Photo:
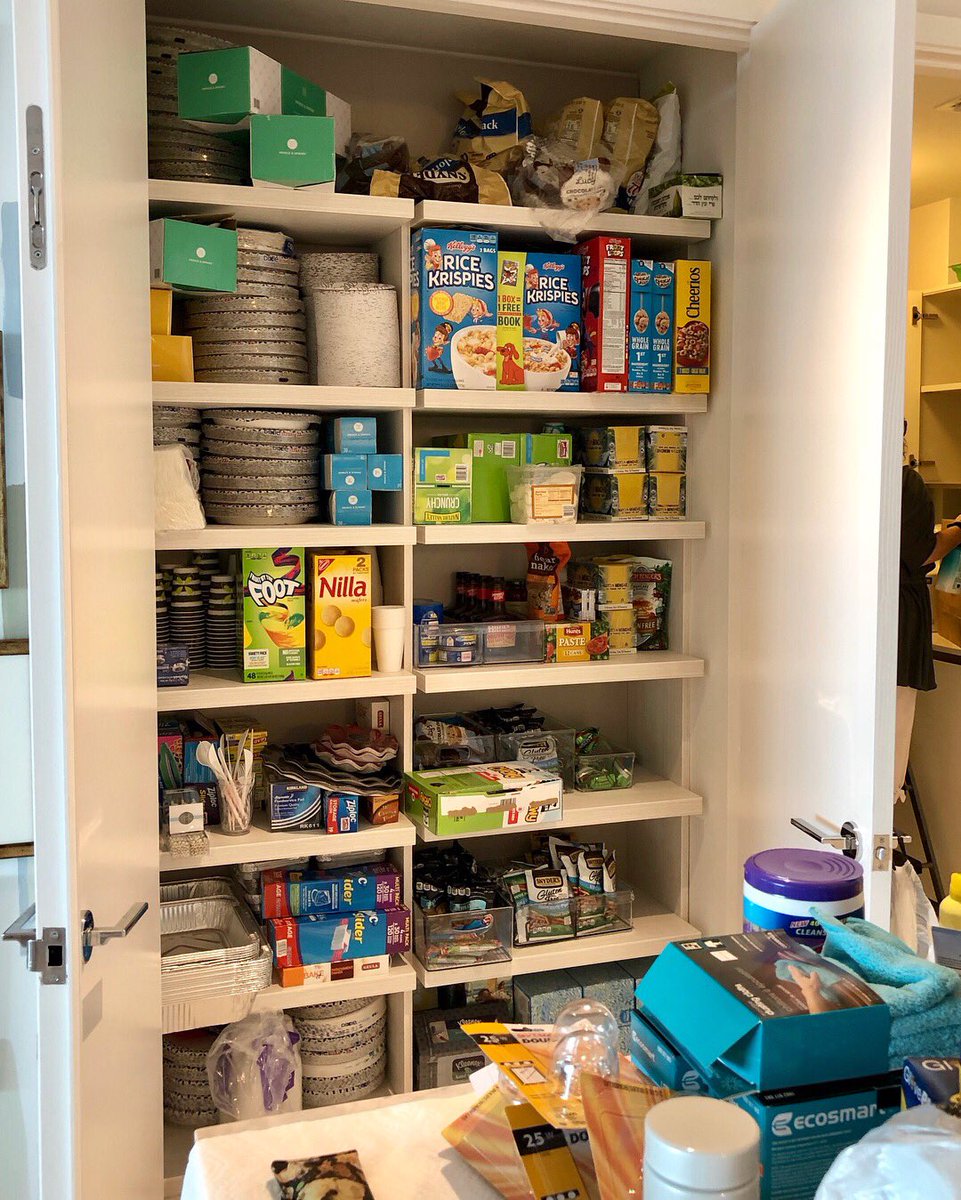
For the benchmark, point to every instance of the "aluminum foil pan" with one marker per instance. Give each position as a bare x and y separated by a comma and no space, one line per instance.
280,466
268,514
290,377
205,887
207,931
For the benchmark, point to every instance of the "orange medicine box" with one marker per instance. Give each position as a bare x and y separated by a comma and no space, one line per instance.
692,327
161,310
340,630
171,359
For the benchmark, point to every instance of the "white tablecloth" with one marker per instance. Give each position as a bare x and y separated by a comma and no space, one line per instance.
398,1139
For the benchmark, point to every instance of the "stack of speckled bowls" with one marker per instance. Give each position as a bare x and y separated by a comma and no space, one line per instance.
258,333
187,1098
343,1050
260,466
175,148
174,423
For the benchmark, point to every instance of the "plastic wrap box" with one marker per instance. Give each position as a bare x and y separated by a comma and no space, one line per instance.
473,938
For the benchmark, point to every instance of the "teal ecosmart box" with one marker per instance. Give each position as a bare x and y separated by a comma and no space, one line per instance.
768,1009
187,256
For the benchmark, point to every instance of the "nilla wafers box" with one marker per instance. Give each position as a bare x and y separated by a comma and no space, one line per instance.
339,638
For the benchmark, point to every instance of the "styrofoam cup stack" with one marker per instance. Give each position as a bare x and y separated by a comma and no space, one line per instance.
321,268
356,335
390,636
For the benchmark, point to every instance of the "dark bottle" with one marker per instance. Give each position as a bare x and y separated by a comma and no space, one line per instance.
460,595
472,599
484,597
517,599
498,607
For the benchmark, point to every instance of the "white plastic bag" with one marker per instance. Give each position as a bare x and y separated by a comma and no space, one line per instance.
665,158
254,1067
912,914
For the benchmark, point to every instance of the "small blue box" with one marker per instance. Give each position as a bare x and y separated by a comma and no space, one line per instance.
428,612
295,806
385,472
340,812
351,507
352,435
173,667
650,331
345,471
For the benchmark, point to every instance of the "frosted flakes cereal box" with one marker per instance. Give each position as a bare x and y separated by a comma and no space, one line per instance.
453,308
340,634
273,614
552,322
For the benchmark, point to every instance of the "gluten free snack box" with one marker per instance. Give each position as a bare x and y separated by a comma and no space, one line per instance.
456,800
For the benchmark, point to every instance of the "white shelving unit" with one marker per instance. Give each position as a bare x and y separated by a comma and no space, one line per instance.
623,668
235,537
275,395
525,221
562,404
222,689
583,531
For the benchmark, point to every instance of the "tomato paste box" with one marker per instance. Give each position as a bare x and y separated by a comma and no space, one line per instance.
453,308
340,635
274,614
552,322
605,289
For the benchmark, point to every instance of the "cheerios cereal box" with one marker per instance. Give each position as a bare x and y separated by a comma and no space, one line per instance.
552,322
340,634
273,614
453,308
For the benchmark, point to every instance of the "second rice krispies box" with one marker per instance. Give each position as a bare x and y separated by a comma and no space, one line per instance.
650,331
552,322
692,327
273,615
340,635
453,308
605,292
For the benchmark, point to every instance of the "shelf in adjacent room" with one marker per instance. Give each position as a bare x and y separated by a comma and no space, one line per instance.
649,934
307,215
622,668
222,689
648,799
260,845
237,537
283,395
933,389
583,531
221,1010
557,404
950,289
515,219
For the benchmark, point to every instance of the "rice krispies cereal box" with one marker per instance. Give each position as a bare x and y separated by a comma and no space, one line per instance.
340,633
453,281
605,292
273,614
552,320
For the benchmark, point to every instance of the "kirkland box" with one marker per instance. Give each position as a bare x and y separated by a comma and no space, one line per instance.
453,282
605,284
552,322
187,256
304,893
331,937
274,614
930,1081
295,806
455,800
293,152
757,987
692,327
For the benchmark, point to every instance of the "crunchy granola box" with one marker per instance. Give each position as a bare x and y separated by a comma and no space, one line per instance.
552,322
453,281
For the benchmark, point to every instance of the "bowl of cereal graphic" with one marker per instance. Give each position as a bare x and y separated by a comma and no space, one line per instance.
473,356
546,365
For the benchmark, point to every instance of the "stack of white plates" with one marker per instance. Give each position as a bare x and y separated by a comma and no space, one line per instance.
260,466
187,1098
343,1050
173,423
258,333
176,149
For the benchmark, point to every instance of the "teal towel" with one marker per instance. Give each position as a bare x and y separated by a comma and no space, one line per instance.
924,998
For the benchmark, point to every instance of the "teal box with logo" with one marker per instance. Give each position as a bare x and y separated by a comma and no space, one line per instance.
187,256
767,995
385,472
650,343
292,152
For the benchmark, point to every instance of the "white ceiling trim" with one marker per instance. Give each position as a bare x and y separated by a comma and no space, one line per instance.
938,45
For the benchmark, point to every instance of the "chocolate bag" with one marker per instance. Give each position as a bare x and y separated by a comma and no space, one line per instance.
443,179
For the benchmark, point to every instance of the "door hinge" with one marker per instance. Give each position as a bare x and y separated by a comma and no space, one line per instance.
36,199
47,953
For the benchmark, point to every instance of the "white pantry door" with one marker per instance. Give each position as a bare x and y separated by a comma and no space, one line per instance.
822,198
88,467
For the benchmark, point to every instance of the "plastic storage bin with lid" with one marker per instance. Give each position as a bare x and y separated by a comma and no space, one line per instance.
782,886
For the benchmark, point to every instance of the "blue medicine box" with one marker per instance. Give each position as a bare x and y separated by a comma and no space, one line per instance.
352,435
352,506
345,471
385,472
761,1025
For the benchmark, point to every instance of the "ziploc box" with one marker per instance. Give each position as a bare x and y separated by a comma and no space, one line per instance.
605,294
292,152
188,256
302,893
930,1081
455,800
759,1014
692,327
552,313
223,88
294,806
340,635
650,327
274,614
340,812
509,370
453,282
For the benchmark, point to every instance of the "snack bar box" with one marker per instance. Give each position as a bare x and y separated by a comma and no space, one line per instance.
305,893
759,989
332,937
456,800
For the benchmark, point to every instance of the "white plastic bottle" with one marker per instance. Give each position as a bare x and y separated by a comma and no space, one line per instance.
696,1148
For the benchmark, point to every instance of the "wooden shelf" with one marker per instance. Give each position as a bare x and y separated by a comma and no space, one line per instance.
648,799
950,289
221,1010
654,664
933,389
222,689
514,219
583,531
281,395
649,934
260,845
236,537
309,216
557,404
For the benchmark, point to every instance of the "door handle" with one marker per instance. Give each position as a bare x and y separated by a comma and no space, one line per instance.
846,839
46,950
99,935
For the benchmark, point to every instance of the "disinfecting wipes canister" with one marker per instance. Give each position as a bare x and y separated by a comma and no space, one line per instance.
781,887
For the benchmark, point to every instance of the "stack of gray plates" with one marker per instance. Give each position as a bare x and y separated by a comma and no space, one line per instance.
258,333
174,423
187,1098
343,1050
260,466
176,149
324,267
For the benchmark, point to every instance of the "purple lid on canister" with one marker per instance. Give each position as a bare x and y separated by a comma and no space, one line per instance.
805,874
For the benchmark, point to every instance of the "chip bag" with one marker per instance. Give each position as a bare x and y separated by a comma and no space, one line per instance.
443,179
544,563
630,129
494,125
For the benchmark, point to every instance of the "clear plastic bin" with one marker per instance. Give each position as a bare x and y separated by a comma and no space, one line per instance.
476,643
611,912
580,916
475,748
606,767
544,495
538,746
443,941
